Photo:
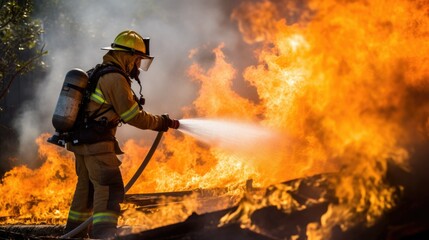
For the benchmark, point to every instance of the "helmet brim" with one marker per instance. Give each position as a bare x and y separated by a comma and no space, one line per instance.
121,49
108,48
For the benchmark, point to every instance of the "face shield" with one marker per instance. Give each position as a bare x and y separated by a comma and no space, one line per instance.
145,63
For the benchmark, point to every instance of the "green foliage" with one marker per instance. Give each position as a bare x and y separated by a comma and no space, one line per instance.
20,37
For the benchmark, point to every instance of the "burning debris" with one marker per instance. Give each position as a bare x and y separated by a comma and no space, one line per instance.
290,210
348,95
226,223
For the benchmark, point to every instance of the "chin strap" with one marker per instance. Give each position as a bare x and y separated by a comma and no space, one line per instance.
141,101
135,72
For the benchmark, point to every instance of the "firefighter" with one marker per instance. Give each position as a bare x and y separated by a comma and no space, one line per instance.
100,188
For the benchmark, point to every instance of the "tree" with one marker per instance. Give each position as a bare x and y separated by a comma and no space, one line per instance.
20,39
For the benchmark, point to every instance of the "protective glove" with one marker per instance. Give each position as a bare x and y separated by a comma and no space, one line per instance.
169,123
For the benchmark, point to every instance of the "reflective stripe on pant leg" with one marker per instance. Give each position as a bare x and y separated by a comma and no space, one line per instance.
79,216
104,225
74,220
105,217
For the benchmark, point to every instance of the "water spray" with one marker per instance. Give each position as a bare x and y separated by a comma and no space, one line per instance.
227,134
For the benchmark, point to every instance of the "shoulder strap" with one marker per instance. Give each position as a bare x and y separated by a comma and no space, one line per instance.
100,70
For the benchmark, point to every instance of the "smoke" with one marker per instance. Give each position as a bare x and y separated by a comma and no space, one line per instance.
76,30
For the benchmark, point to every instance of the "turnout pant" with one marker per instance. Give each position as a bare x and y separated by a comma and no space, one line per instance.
99,191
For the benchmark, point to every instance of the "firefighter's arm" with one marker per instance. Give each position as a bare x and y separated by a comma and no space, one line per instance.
118,92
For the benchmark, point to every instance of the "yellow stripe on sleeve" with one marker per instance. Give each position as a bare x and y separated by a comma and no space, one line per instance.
98,97
130,113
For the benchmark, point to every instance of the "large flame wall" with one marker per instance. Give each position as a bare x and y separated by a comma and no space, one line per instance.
346,80
343,82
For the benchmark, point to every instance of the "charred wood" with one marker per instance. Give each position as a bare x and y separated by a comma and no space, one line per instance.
30,232
203,226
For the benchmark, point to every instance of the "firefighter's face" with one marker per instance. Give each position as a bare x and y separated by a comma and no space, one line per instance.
135,71
138,62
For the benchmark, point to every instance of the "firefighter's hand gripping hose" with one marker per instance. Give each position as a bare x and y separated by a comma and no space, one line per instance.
127,187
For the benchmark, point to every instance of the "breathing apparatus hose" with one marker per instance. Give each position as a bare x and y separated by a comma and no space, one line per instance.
127,187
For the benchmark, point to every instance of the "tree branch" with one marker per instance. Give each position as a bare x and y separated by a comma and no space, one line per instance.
20,70
12,15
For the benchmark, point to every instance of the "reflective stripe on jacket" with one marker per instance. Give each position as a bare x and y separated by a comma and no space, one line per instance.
114,91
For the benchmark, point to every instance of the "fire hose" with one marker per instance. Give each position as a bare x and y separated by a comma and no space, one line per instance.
127,187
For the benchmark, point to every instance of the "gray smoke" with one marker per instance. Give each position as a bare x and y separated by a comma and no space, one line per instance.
78,29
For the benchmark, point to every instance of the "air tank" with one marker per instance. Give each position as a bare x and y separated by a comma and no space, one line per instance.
70,98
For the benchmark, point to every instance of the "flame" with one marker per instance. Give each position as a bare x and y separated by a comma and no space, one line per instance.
169,211
341,84
340,81
40,195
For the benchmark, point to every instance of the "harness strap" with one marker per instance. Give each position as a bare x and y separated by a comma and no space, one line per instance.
77,88
98,72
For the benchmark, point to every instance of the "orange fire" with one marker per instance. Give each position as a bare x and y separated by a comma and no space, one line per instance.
334,78
40,195
339,79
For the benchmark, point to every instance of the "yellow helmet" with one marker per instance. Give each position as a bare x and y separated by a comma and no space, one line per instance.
130,41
